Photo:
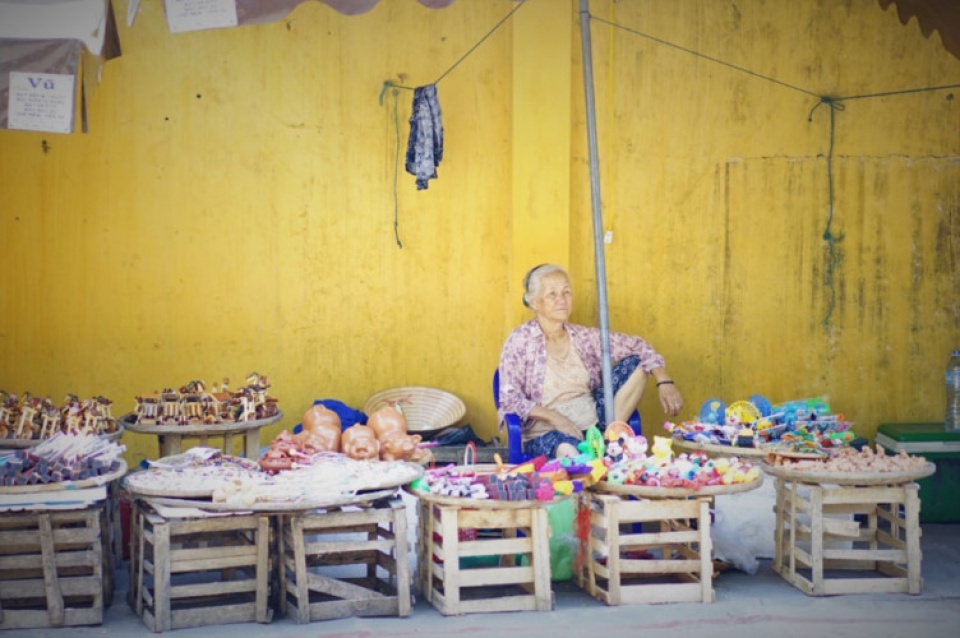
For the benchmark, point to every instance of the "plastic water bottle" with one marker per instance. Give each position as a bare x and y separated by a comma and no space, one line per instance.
952,421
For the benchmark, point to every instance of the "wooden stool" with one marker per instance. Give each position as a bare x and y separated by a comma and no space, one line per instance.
52,571
510,533
624,566
343,539
885,542
182,570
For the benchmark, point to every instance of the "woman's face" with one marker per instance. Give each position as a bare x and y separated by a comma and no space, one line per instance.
554,299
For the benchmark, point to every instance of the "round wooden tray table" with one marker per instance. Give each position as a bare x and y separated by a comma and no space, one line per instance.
195,487
715,449
480,503
647,491
19,444
93,481
171,437
795,475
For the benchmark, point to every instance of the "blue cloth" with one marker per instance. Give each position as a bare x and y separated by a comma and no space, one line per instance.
546,444
425,145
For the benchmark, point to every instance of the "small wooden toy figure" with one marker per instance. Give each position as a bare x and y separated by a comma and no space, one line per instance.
169,405
50,419
26,427
10,411
91,417
106,412
148,409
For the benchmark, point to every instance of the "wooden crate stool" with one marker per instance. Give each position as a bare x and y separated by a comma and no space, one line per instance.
512,551
624,565
52,568
367,545
190,572
883,538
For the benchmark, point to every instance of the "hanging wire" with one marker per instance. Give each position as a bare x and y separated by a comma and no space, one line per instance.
704,56
396,166
834,254
480,41
394,88
925,89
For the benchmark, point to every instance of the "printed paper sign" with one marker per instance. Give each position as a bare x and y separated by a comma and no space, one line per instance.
41,102
194,15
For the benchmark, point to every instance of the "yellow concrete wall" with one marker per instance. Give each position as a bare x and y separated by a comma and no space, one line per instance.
232,207
715,188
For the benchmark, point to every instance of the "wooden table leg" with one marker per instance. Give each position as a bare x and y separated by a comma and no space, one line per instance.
170,444
251,444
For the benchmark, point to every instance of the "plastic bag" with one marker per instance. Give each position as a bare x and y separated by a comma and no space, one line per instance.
563,542
727,545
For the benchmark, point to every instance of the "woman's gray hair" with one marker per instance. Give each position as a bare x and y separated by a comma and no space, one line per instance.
531,283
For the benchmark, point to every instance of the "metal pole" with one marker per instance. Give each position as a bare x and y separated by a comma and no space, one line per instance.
597,213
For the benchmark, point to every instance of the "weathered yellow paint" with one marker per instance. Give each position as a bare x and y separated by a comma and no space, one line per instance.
232,207
719,193
540,215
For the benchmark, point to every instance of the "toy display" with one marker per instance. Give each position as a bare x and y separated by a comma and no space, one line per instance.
193,404
616,457
802,426
662,469
29,417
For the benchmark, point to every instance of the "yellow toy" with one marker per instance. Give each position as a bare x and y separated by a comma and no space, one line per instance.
662,450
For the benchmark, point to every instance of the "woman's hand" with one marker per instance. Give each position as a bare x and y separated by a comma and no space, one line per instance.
565,425
559,422
670,399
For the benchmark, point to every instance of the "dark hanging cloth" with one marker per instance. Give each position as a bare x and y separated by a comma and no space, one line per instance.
425,146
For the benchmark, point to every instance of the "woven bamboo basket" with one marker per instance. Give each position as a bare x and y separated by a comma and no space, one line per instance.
425,409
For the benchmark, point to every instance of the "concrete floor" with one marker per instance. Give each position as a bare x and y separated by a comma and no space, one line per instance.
762,604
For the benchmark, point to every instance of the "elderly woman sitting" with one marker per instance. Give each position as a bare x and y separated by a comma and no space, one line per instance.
550,370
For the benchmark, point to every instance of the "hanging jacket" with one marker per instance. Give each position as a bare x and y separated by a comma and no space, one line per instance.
425,146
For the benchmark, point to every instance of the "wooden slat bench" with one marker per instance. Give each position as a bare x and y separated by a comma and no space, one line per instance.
54,571
343,562
191,572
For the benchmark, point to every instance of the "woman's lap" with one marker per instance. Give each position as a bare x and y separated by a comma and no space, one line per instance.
546,444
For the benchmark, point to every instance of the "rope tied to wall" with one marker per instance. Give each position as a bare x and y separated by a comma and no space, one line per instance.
834,254
425,145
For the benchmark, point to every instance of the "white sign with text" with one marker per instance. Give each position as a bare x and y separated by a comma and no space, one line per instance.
195,15
41,102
